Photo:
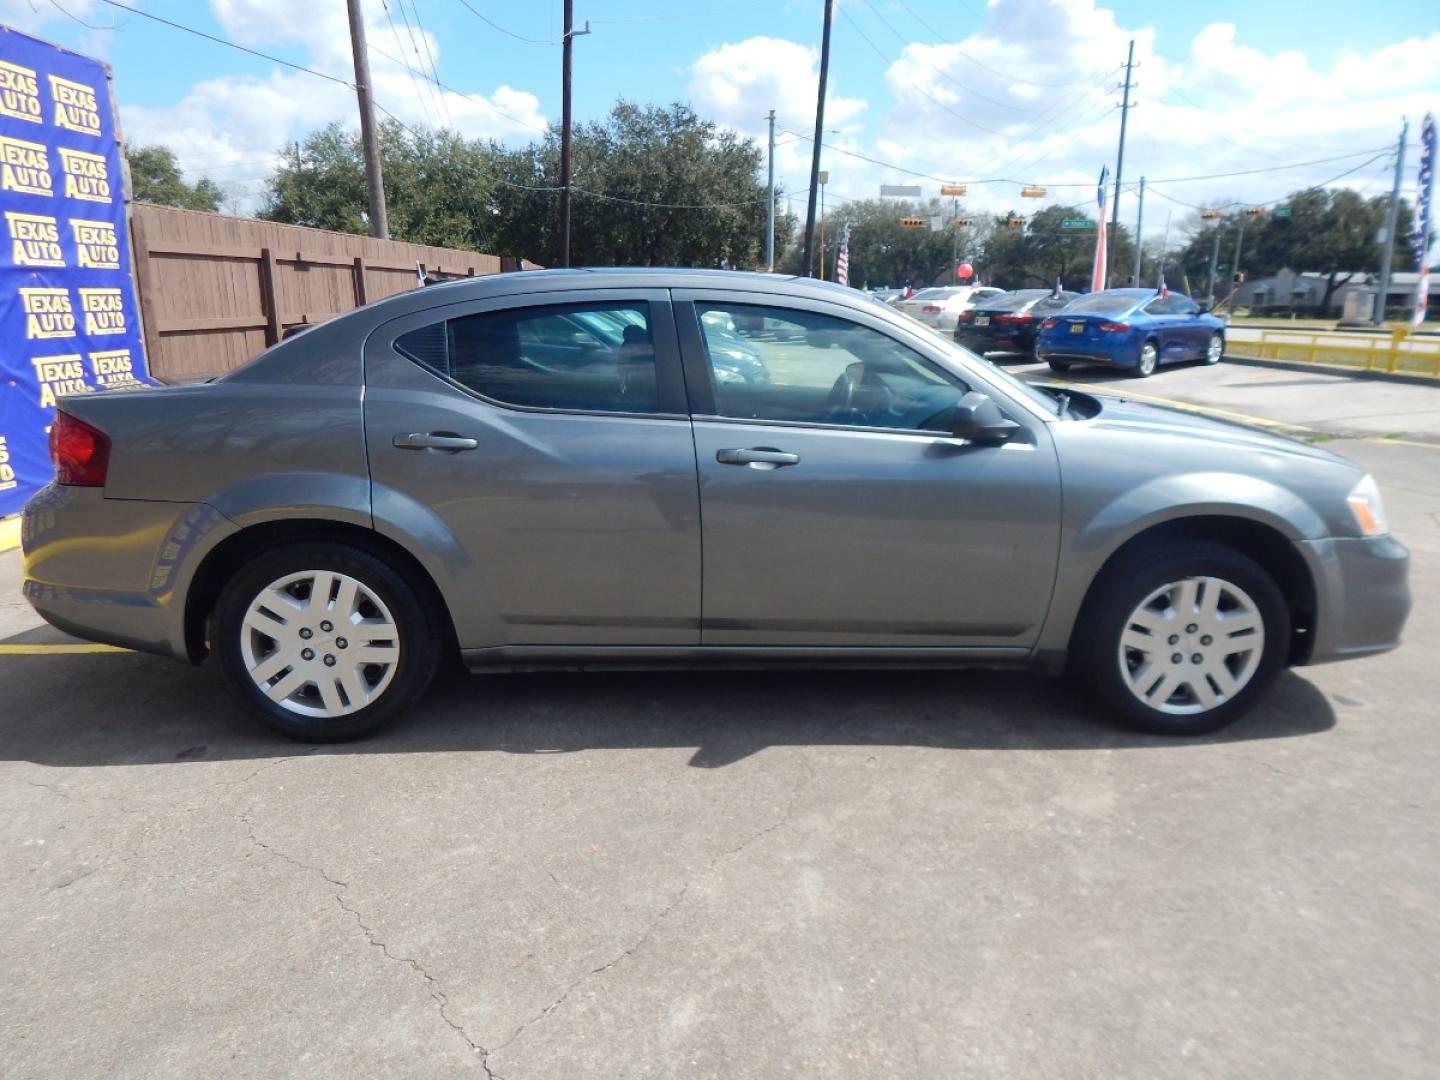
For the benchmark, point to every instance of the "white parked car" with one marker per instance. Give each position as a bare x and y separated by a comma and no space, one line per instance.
940,308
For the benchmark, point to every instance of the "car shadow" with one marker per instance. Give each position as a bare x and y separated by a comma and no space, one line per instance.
100,709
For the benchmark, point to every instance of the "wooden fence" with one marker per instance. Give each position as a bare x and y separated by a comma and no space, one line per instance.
215,290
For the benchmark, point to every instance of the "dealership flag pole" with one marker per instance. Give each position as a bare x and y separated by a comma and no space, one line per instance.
1097,273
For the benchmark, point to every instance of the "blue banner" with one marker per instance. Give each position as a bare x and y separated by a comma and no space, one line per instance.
68,322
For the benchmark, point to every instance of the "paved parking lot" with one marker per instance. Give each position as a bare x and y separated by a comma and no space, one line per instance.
734,874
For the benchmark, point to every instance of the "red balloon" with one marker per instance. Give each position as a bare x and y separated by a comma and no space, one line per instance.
964,271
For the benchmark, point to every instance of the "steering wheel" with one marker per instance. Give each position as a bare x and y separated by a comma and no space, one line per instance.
858,396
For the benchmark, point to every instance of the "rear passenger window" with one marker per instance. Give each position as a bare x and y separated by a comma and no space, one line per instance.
577,357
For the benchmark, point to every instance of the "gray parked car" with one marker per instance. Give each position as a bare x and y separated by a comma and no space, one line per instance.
467,468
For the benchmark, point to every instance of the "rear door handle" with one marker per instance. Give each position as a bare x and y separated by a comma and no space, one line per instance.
435,440
760,457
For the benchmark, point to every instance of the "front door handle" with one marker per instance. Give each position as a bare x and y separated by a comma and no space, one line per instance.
759,457
435,440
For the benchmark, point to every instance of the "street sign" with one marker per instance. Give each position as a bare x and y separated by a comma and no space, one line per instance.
1280,211
1077,223
913,223
952,189
824,176
1032,192
900,191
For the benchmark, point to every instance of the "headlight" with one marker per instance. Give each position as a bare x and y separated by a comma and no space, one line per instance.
1368,508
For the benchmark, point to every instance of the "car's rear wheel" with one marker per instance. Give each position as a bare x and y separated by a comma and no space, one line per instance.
1058,365
325,642
1149,358
1183,642
1214,349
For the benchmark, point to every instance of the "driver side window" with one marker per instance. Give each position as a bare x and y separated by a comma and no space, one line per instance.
771,363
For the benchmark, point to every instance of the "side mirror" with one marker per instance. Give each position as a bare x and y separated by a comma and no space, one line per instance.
1204,308
979,420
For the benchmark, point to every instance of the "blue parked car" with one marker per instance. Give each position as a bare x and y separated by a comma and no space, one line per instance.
1137,329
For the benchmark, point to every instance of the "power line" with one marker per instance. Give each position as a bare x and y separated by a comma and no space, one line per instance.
395,33
945,74
478,99
430,56
678,14
1271,202
414,46
509,33
229,44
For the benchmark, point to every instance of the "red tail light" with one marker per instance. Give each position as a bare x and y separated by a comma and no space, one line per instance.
930,309
1049,324
1013,318
966,316
1114,327
79,452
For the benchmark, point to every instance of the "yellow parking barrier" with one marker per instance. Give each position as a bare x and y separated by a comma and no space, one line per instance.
1395,351
9,533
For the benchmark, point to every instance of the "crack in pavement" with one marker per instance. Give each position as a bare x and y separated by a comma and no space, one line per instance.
437,992
432,985
808,774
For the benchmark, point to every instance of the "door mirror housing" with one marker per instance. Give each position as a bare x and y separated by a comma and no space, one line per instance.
978,419
1202,308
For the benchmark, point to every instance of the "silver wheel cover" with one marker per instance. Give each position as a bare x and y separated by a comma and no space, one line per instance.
1215,349
1149,357
1191,645
320,643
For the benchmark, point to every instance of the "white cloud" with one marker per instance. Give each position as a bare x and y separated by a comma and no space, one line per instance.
231,126
1032,95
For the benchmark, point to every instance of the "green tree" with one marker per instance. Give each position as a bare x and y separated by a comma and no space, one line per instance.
437,185
882,252
155,178
651,186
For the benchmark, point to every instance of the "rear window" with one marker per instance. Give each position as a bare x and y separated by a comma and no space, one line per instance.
1014,301
1103,304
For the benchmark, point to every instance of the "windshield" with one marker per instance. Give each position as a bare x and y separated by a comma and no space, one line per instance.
1014,301
1103,304
1021,389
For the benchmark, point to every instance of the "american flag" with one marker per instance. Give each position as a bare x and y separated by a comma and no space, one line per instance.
842,261
1162,288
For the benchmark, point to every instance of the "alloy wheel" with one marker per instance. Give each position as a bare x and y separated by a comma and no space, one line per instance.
320,643
1148,359
1191,645
1215,349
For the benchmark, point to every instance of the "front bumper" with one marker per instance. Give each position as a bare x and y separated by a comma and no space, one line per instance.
1362,596
115,571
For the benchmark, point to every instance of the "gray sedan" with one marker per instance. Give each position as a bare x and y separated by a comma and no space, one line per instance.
460,471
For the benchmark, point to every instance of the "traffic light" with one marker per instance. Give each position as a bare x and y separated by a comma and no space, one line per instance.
1255,211
1015,222
961,222
1239,276
913,223
1209,215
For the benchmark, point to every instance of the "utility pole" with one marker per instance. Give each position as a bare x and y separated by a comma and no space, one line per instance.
770,203
809,253
954,238
824,179
1139,222
1235,269
1214,265
374,181
1120,163
1388,240
567,44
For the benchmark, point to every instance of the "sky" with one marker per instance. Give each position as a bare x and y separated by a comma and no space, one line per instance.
994,95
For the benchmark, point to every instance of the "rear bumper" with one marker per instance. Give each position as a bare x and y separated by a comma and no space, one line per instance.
1362,596
115,571
1083,356
981,342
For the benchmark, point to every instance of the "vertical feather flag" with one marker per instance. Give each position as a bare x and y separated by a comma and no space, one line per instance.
1421,236
1097,275
842,261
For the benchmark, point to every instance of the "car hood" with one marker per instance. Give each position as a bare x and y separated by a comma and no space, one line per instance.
1119,413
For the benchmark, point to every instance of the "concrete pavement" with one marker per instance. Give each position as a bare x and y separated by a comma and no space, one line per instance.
728,874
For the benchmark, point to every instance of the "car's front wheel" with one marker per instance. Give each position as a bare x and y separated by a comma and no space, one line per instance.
1214,349
325,642
1183,641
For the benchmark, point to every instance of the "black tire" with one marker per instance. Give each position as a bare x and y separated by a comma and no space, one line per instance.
1061,366
418,633
1095,653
